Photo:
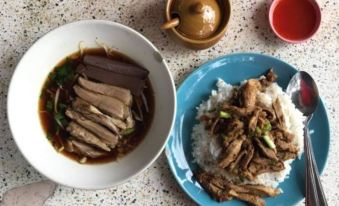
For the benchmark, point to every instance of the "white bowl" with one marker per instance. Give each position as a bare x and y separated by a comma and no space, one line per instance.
26,85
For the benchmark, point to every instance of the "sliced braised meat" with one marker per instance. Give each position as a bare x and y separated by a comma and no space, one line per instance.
286,146
282,134
213,185
270,153
236,99
95,115
84,135
134,84
214,126
69,146
258,190
251,199
238,111
278,112
277,134
260,165
261,121
286,155
104,135
247,175
234,165
107,104
261,190
249,93
222,189
248,157
266,112
86,150
270,77
235,126
130,123
227,140
122,94
231,153
234,129
252,123
116,66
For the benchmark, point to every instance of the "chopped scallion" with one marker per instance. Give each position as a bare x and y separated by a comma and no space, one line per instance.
267,127
127,131
257,130
49,106
224,115
269,142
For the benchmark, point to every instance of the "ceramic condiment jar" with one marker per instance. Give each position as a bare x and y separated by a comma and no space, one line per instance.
198,24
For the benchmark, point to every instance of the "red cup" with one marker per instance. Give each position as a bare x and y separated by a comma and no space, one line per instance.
294,26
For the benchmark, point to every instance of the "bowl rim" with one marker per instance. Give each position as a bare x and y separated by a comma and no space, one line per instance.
213,38
317,9
168,131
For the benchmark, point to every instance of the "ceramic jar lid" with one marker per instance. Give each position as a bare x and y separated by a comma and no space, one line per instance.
196,19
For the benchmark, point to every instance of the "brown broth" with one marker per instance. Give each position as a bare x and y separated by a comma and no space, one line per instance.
57,136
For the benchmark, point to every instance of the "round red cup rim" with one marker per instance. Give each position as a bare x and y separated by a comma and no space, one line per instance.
294,41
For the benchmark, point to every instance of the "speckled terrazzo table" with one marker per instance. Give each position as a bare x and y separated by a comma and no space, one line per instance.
24,21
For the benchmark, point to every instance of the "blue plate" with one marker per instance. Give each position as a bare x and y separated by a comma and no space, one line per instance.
197,87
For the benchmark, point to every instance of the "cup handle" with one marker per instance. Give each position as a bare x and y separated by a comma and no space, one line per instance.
170,24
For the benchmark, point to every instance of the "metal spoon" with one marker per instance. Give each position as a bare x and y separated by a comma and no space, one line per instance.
304,94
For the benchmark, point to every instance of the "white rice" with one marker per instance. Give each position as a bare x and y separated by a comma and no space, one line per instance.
206,150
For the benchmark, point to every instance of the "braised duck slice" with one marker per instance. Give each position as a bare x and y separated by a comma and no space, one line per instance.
235,129
248,157
95,115
109,105
86,150
231,153
270,77
238,111
285,155
116,66
134,84
252,123
260,190
104,135
68,145
249,93
266,112
235,165
279,113
268,152
286,146
280,133
214,186
257,190
84,135
260,165
122,94
222,189
250,199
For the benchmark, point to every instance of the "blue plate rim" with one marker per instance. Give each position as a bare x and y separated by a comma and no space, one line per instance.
180,85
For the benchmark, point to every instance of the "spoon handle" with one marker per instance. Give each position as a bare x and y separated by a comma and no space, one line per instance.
314,192
170,24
